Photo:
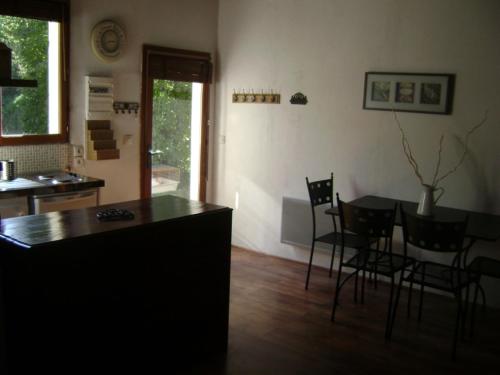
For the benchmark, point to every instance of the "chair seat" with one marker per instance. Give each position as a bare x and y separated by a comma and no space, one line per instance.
485,266
379,262
351,240
439,276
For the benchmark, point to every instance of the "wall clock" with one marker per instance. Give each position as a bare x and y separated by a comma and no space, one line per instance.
108,41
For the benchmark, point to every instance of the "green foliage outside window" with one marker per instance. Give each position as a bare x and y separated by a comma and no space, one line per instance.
25,110
172,128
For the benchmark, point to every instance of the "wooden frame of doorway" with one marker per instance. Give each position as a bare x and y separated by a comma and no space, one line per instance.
181,65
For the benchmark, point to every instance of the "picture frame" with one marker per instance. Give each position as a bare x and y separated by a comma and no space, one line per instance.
409,92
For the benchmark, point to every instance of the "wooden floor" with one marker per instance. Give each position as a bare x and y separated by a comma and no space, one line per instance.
276,327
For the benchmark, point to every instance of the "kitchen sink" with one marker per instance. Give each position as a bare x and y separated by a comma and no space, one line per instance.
59,178
19,183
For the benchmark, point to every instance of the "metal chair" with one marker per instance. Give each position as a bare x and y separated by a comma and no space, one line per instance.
369,224
439,237
321,194
481,266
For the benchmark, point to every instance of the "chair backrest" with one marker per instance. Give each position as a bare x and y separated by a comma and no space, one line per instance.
320,192
429,234
367,222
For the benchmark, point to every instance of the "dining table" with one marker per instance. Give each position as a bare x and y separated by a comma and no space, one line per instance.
481,226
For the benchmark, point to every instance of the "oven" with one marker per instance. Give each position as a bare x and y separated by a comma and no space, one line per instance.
38,204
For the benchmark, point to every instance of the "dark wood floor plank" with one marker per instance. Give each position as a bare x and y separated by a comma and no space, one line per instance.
276,327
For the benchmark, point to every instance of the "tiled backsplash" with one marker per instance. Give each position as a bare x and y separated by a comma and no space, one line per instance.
35,158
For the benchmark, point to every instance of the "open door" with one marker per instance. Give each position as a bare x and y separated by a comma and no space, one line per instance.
174,150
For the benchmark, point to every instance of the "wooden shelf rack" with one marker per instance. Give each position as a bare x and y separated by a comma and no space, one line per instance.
100,142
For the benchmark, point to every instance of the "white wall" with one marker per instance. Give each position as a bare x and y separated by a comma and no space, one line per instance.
188,24
322,48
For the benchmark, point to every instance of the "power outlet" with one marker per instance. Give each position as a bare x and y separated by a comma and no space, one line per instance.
78,151
77,162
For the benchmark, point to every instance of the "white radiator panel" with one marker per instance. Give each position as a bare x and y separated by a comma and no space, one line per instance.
296,223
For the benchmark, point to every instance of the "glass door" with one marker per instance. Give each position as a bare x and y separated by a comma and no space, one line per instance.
176,138
174,122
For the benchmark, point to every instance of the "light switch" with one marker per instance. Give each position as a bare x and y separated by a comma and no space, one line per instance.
127,140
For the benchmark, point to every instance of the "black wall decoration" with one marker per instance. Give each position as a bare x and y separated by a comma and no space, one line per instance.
298,98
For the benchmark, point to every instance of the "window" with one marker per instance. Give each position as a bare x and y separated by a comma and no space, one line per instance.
37,32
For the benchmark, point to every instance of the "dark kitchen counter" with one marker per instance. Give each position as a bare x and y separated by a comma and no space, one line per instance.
37,231
147,295
50,182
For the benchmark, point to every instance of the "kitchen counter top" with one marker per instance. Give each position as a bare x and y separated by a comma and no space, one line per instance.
49,228
49,182
146,295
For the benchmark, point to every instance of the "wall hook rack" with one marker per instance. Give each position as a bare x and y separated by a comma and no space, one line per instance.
262,97
126,107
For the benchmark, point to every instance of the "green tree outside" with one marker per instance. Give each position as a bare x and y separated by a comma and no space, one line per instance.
25,110
172,128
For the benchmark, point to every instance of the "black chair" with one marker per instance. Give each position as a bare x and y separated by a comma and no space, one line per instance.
482,266
321,194
369,224
439,237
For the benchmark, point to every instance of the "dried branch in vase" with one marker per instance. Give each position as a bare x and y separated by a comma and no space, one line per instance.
437,178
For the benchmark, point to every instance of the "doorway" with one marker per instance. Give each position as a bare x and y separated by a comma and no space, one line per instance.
174,122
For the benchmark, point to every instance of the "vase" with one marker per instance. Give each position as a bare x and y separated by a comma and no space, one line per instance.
427,201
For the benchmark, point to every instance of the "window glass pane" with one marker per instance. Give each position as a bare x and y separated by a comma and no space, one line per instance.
35,49
176,138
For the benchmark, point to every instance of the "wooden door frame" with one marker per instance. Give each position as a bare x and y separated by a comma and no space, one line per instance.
147,120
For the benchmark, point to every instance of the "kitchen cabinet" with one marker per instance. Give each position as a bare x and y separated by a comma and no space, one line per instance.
13,207
52,191
39,204
142,295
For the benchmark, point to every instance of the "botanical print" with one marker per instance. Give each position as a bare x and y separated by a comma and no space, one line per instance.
409,92
405,92
380,91
430,93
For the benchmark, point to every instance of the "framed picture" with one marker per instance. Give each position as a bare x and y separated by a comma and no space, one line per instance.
409,92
